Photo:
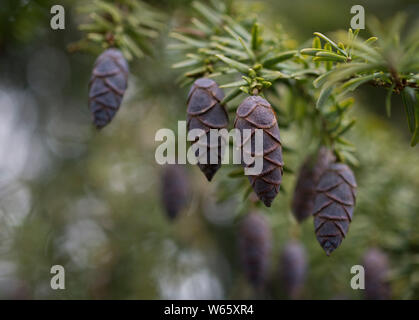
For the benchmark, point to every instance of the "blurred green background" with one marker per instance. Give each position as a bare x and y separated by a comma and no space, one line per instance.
90,200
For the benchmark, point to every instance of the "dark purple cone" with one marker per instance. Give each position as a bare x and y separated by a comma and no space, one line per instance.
107,86
206,112
305,188
334,205
255,248
174,189
256,113
376,267
293,269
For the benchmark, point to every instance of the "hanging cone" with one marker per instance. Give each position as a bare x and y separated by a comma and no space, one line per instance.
256,113
205,112
255,248
334,205
107,86
305,188
174,189
376,267
293,269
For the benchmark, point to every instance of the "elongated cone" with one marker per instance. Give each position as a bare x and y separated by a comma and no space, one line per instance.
107,86
293,269
334,205
376,267
305,188
255,248
256,113
206,112
174,189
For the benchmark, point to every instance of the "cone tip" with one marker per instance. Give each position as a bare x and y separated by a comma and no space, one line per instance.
328,247
267,202
209,175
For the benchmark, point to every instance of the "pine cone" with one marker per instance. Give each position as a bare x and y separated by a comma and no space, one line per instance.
255,248
293,268
107,86
305,188
206,112
256,113
376,267
174,189
333,205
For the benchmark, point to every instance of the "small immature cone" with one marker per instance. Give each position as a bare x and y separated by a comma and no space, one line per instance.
293,269
334,205
305,188
206,112
255,248
376,267
256,113
174,189
107,86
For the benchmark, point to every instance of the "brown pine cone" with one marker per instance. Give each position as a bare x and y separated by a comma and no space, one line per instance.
255,248
333,205
107,86
206,112
174,189
376,267
256,113
305,188
293,269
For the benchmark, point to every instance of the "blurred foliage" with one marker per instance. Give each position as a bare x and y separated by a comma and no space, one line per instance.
127,25
21,20
393,64
90,201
